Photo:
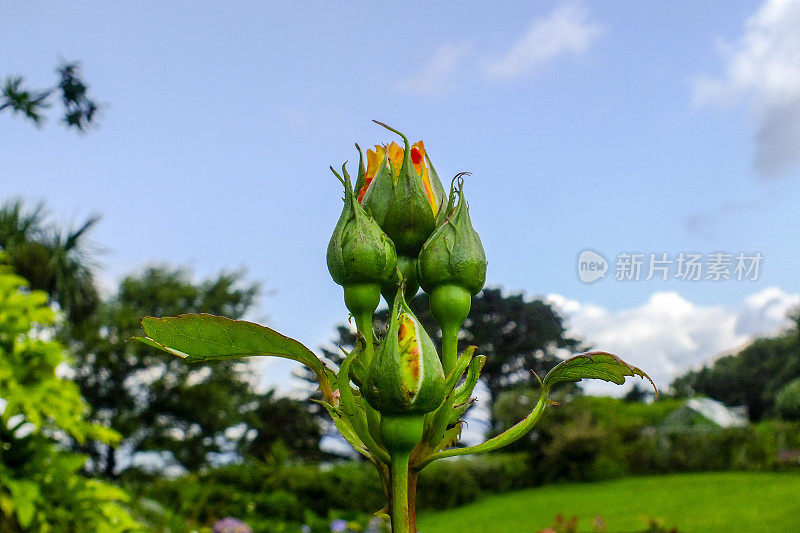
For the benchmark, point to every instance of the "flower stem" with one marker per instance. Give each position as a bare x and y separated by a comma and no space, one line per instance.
361,299
364,325
449,346
400,507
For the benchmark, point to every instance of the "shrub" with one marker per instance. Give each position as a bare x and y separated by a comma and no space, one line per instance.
787,401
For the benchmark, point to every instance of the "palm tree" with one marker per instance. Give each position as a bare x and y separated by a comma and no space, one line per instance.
56,261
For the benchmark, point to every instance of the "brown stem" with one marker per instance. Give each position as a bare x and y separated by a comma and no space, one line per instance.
412,499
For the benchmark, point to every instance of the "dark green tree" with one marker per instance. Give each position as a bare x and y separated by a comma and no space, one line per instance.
518,336
157,402
59,262
753,377
284,420
79,111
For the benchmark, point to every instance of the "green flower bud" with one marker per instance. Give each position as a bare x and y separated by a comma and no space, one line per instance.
454,254
403,192
451,268
405,377
359,251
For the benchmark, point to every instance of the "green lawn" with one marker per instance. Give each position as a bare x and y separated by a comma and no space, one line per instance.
711,502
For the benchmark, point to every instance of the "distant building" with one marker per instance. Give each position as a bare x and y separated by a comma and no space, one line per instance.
705,413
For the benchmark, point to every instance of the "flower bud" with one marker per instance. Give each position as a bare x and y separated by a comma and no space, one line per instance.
405,377
451,268
403,193
359,251
454,254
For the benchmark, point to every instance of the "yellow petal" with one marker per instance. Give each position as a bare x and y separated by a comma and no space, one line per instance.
395,158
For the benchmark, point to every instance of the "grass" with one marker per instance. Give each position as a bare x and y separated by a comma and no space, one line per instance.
707,503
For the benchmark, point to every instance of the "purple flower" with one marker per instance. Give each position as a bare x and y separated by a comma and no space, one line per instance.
339,525
231,525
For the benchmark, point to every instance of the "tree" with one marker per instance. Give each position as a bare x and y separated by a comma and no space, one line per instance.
752,377
41,488
287,421
56,261
518,337
185,414
787,401
79,111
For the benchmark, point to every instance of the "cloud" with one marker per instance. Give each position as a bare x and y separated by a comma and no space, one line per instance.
763,69
567,30
669,335
436,77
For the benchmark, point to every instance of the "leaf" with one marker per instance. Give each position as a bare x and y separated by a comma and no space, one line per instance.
25,496
451,437
203,337
593,365
346,429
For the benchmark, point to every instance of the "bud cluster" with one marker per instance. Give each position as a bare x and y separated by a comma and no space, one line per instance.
399,231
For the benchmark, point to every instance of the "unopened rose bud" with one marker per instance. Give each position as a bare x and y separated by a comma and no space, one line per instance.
361,258
406,375
451,268
403,193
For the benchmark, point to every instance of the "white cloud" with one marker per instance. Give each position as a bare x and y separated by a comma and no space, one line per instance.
567,30
669,335
763,68
436,77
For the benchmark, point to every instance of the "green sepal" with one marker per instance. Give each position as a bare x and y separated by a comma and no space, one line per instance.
447,209
462,364
463,392
362,172
379,193
461,399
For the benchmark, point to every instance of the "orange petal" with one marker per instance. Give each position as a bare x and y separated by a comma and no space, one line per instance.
418,158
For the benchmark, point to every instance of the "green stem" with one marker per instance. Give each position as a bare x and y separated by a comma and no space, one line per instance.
364,325
449,346
361,299
450,306
399,475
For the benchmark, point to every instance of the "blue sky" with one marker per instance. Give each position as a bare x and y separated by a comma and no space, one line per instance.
616,126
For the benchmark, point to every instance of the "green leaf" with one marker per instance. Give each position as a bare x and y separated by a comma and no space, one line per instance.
593,365
450,438
25,495
346,429
202,337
